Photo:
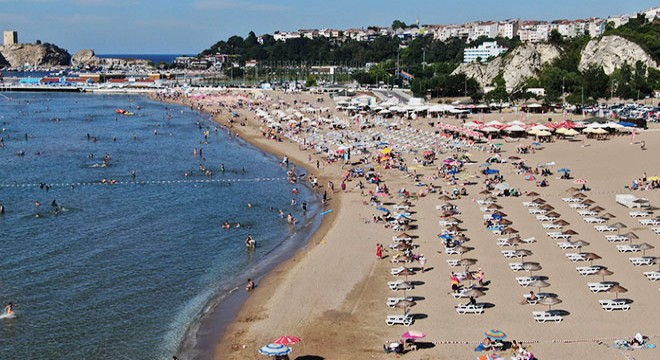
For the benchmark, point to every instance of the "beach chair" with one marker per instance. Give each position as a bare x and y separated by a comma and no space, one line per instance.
575,257
545,218
615,304
400,285
503,242
553,234
484,202
400,207
452,262
524,281
550,226
530,204
587,270
649,222
451,251
605,228
537,211
461,293
396,271
406,319
599,287
578,206
516,267
529,240
638,214
567,245
531,302
571,200
627,248
547,316
392,301
510,254
469,309
656,230
642,261
652,275
584,213
594,220
616,238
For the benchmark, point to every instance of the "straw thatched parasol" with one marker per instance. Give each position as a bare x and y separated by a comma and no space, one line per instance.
531,267
644,247
547,207
538,201
603,272
570,232
539,284
591,257
509,230
549,301
561,222
475,293
553,214
617,289
580,243
533,193
579,195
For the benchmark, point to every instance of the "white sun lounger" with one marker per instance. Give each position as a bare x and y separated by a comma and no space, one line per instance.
567,245
642,261
656,230
400,285
558,235
587,270
616,238
516,267
405,319
547,316
545,218
637,214
485,202
649,222
451,251
587,213
627,248
605,228
401,207
537,211
530,204
571,200
503,242
392,301
550,226
524,281
452,262
578,206
396,271
510,254
461,293
594,220
470,309
614,304
599,287
652,275
575,257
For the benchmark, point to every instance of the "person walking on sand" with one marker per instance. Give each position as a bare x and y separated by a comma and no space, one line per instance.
422,262
379,251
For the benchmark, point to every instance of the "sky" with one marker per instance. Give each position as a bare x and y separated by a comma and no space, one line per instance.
190,26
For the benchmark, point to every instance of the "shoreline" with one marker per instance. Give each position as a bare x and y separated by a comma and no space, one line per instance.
215,329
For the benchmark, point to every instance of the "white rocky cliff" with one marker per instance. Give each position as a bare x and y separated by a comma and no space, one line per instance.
611,52
87,58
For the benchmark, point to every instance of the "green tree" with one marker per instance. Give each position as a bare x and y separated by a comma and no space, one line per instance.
397,24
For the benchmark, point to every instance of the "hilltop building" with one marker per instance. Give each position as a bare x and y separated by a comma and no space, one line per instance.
483,52
11,37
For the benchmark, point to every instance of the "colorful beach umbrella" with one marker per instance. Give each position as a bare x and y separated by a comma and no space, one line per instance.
275,350
413,335
287,340
495,334
564,170
530,177
579,181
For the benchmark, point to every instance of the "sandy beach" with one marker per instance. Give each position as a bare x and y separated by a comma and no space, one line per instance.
333,293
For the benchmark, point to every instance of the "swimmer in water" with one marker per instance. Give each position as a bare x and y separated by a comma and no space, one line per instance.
250,243
9,309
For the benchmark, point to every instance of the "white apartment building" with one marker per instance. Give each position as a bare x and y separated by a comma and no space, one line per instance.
486,28
483,52
508,29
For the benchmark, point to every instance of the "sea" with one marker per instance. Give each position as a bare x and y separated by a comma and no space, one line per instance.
104,264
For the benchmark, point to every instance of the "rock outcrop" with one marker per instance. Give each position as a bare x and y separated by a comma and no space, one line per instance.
88,59
611,52
517,66
35,55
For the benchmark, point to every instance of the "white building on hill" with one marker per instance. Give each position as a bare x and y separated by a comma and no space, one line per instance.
483,52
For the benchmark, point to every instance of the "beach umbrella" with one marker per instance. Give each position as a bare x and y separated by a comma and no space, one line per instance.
561,222
596,208
413,335
502,221
631,236
564,170
532,193
502,186
405,303
509,230
572,189
530,177
491,171
579,195
453,219
403,246
494,207
538,201
498,213
475,293
380,208
579,181
587,202
406,272
445,236
524,252
591,257
603,272
287,340
547,207
531,266
617,289
275,350
484,192
403,235
462,250
580,243
467,262
549,301
539,284
570,232
444,198
455,228
515,242
553,214
495,334
644,247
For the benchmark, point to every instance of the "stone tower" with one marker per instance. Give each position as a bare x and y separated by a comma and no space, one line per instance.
11,37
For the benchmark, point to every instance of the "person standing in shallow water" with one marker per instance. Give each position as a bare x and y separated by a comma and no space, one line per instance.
250,285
